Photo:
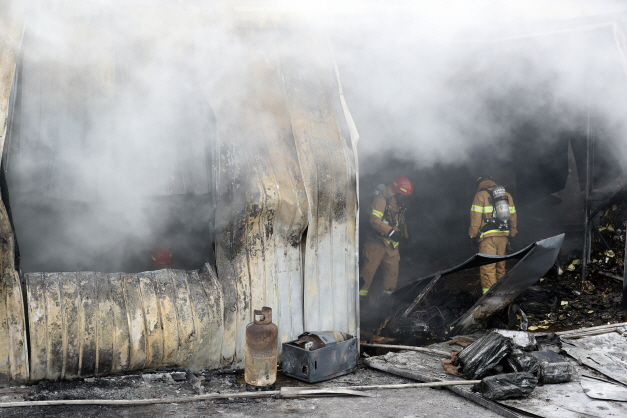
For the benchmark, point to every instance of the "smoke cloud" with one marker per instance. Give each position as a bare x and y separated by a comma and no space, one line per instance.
115,147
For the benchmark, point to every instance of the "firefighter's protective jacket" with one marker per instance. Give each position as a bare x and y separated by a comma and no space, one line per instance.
481,211
382,220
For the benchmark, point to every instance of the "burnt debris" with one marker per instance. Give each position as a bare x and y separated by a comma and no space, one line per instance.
560,302
449,303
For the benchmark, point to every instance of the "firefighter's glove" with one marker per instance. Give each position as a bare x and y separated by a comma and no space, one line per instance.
394,235
474,243
510,247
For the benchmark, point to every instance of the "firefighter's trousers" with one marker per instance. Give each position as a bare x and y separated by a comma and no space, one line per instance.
376,254
492,272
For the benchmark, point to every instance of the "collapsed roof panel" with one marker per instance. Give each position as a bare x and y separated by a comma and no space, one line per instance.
525,273
589,394
427,293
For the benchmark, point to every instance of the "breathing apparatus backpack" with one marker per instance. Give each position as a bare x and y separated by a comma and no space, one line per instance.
500,212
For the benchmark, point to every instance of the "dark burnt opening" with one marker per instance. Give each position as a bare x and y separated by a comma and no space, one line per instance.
517,116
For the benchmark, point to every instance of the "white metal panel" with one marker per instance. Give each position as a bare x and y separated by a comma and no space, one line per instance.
262,207
14,343
325,160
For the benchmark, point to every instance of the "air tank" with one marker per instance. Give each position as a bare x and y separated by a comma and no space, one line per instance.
261,351
501,203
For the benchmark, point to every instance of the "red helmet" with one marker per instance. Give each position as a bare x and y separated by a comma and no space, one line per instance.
161,256
402,185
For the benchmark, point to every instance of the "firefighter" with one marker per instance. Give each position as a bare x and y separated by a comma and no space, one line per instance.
487,231
387,223
161,258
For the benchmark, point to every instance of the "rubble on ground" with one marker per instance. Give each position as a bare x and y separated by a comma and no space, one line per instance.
581,374
565,302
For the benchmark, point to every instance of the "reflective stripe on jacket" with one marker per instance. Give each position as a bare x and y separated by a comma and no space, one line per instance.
381,223
481,210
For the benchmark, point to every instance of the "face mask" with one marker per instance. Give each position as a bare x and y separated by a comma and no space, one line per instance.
401,199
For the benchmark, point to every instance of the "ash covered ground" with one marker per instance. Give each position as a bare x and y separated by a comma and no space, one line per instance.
409,403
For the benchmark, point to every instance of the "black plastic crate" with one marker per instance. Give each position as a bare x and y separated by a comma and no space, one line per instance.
321,364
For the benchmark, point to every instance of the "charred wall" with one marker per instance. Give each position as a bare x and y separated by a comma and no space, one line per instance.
132,144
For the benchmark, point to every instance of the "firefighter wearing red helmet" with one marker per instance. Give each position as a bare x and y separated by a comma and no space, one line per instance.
161,258
387,222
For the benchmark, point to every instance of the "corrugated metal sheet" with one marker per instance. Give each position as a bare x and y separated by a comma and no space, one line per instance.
329,175
13,340
13,349
86,323
261,209
284,160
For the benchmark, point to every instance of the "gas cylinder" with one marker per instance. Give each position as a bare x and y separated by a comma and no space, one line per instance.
501,203
261,351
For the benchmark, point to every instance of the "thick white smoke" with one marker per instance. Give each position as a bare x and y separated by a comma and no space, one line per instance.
436,80
133,84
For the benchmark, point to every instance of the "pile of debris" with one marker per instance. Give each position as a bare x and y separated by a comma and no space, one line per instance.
560,302
579,372
511,363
